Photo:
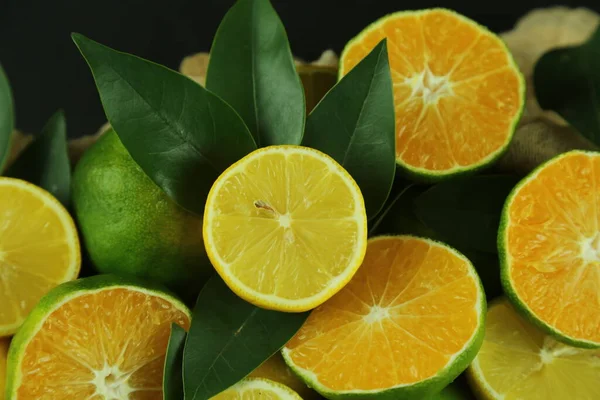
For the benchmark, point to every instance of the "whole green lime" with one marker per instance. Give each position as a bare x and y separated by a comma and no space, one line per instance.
130,226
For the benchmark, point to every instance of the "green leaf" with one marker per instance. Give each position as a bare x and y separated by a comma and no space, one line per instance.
398,216
7,117
354,124
567,81
172,377
251,67
45,162
466,213
229,338
180,134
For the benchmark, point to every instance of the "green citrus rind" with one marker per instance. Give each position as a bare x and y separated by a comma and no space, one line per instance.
509,290
61,295
429,176
131,227
282,391
425,388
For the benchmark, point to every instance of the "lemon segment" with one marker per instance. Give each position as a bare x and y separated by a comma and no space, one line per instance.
39,249
285,227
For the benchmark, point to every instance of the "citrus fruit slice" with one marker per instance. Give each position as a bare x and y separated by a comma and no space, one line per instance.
275,369
518,361
3,352
258,389
549,246
103,337
407,324
39,249
458,93
285,227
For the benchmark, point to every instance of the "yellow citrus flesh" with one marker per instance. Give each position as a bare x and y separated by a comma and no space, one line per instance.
414,308
106,344
275,369
258,389
457,92
517,361
285,227
551,241
3,351
39,249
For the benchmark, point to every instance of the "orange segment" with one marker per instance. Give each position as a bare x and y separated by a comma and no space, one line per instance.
109,342
457,92
552,246
413,307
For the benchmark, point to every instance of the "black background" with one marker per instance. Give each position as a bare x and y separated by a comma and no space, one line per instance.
47,72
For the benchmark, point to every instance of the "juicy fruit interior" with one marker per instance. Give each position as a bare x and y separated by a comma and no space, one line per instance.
257,389
105,344
286,223
553,245
457,92
410,308
518,361
38,251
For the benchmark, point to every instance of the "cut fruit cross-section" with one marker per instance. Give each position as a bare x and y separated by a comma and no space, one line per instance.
457,91
549,246
518,361
103,337
39,249
407,324
285,227
258,389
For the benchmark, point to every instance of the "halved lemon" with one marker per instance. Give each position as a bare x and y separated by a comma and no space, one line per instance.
518,361
258,389
457,91
103,337
408,323
39,249
285,227
549,247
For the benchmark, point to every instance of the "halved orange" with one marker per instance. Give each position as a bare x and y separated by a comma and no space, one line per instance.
285,227
408,323
457,91
549,245
39,249
103,337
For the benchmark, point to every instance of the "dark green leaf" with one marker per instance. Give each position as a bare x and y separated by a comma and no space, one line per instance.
567,81
229,338
354,124
252,68
180,134
45,162
173,378
466,213
7,119
398,216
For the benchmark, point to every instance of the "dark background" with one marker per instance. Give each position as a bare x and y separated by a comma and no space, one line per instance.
47,72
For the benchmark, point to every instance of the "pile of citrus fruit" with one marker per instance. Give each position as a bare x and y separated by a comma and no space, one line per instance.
393,317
